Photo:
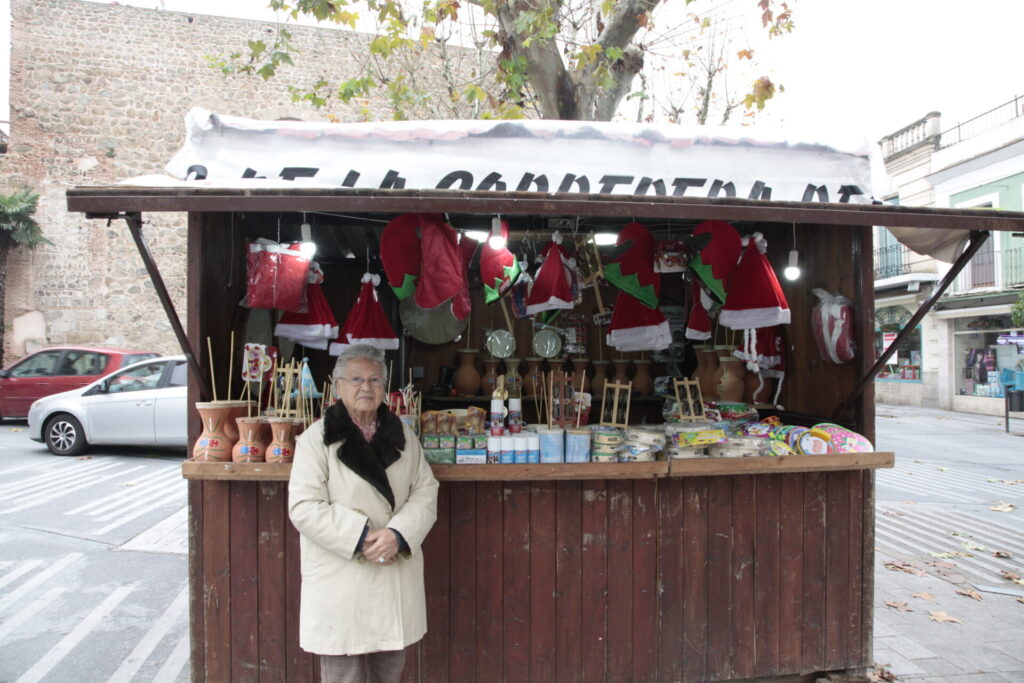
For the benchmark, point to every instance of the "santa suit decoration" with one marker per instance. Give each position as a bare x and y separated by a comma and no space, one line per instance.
552,284
637,324
433,302
698,324
316,327
756,304
499,268
366,322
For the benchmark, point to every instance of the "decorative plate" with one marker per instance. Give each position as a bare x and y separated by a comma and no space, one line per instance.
501,343
546,343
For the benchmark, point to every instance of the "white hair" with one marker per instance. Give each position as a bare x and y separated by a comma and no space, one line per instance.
357,352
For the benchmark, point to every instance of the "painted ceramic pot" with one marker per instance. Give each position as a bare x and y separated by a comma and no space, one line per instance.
513,381
467,378
490,379
600,377
621,366
532,381
213,445
642,381
730,382
250,446
705,374
282,447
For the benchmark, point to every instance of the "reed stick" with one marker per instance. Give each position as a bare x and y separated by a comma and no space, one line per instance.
231,363
391,364
579,405
248,399
551,401
213,378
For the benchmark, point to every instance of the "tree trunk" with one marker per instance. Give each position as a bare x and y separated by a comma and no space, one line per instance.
5,248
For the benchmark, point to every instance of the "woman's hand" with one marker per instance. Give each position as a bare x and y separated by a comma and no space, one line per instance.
380,544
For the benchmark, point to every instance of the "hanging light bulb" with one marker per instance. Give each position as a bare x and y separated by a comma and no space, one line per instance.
605,238
308,247
497,240
792,271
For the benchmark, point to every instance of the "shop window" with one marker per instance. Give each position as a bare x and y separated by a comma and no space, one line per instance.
984,365
905,364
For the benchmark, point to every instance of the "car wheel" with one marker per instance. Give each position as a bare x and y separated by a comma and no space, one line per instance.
64,436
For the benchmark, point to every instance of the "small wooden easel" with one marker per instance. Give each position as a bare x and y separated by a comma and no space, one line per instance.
561,412
612,411
689,400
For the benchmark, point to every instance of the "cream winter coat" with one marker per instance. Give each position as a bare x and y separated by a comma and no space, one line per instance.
350,606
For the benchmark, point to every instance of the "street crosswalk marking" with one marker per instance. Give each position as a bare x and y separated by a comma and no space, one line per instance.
13,575
176,490
16,620
52,658
144,648
46,479
125,518
39,579
169,672
137,487
47,495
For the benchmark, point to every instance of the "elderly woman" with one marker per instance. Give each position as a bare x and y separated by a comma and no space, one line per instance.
363,499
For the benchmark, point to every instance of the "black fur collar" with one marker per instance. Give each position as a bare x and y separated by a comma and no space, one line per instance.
368,460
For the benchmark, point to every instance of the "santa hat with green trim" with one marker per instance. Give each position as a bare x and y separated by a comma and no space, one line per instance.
717,261
400,253
499,268
637,323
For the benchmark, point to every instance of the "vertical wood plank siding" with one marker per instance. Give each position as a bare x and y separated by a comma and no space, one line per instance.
688,579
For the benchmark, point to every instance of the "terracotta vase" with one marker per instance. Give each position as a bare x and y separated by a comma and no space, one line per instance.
579,366
706,369
236,409
621,370
730,383
213,445
600,377
282,447
643,383
467,379
751,394
532,381
490,379
523,335
513,380
250,446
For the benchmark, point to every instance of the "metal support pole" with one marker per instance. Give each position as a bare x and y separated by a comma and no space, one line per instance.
977,239
134,221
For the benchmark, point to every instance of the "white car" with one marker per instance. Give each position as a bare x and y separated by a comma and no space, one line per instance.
142,404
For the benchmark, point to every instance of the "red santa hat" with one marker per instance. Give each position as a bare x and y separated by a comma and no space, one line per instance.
313,329
717,261
366,322
400,253
755,297
635,327
498,268
552,285
698,324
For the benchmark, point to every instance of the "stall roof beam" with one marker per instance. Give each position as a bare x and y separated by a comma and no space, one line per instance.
134,221
107,200
977,239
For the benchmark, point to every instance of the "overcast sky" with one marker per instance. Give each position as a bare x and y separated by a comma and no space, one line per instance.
868,66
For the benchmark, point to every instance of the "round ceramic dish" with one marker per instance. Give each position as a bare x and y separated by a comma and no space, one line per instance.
546,343
501,343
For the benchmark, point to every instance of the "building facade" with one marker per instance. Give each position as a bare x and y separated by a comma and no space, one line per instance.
962,353
99,94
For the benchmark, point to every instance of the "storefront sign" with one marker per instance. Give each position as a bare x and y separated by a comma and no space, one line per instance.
888,338
540,156
1017,339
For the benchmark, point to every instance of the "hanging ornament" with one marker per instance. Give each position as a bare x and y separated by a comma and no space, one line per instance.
402,261
637,324
366,322
698,324
755,297
552,284
499,268
317,326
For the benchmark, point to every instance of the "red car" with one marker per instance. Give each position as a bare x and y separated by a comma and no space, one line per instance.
52,371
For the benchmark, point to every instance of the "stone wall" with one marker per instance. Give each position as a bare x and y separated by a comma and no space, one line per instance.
99,94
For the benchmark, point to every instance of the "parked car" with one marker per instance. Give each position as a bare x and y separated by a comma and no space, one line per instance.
142,404
58,369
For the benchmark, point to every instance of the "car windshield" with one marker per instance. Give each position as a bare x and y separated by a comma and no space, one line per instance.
137,379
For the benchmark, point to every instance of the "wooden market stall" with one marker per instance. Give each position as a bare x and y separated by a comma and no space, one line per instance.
712,569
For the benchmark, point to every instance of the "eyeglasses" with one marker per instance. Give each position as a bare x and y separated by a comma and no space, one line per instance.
375,382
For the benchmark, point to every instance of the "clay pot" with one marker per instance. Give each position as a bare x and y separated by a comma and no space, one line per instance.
621,370
236,409
643,383
250,446
579,366
490,379
213,445
513,381
707,366
467,379
600,377
282,447
532,381
730,384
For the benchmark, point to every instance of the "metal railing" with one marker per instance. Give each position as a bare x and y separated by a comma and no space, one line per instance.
983,122
891,260
991,269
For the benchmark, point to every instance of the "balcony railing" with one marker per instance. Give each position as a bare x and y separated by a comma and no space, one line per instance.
983,122
991,270
891,260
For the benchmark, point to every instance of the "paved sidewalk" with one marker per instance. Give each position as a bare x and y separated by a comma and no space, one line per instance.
937,533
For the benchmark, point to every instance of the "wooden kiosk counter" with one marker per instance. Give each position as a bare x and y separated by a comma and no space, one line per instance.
693,570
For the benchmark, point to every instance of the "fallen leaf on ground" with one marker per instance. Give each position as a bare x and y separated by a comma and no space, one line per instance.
880,673
892,513
1003,554
960,533
941,563
919,461
84,457
971,546
923,596
910,502
969,592
1012,576
941,555
943,618
17,429
1021,600
943,469
901,606
904,567
957,553
1003,506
